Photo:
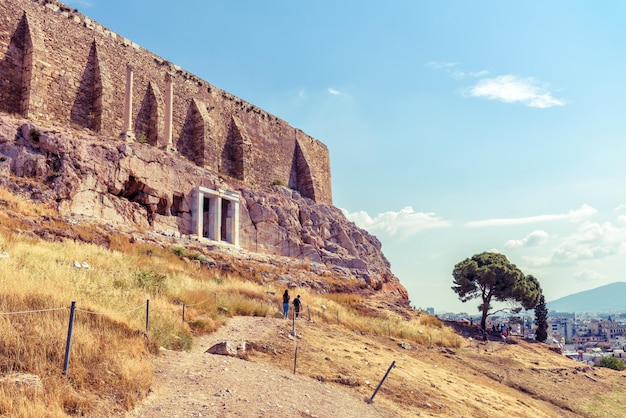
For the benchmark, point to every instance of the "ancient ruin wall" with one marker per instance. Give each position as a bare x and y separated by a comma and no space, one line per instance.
59,66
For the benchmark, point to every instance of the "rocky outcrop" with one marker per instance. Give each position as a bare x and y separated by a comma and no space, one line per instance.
138,187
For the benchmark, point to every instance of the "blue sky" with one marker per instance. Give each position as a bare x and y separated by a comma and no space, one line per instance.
454,127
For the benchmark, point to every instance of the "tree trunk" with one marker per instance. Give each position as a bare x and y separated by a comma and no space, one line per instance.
483,319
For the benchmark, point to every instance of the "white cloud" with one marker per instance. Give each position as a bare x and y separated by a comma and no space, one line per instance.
513,89
452,69
537,261
478,74
533,239
405,222
333,91
591,241
505,88
588,276
577,215
620,208
440,65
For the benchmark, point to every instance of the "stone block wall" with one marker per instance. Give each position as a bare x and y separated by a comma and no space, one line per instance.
59,66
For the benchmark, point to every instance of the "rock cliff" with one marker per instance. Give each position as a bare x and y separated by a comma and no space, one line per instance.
133,187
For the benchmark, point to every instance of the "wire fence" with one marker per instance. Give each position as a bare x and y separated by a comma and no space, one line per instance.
305,313
33,311
74,310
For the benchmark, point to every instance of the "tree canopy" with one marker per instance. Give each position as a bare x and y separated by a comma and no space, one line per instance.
491,277
612,363
541,316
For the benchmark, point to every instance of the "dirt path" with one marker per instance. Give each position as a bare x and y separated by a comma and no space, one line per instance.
197,384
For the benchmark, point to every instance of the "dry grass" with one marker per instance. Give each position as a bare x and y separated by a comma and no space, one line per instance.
12,202
498,379
109,368
110,358
33,344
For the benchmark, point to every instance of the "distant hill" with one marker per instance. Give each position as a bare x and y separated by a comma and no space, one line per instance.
611,297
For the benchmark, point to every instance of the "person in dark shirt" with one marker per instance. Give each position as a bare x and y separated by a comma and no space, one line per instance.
296,306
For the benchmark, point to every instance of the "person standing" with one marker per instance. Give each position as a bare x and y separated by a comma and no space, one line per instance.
296,306
286,304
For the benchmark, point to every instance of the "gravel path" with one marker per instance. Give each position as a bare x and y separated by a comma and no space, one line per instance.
197,384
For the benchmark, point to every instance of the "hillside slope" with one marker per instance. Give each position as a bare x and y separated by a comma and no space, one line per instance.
357,317
351,340
338,369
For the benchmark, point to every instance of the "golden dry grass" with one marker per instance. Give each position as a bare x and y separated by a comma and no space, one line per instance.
497,379
110,368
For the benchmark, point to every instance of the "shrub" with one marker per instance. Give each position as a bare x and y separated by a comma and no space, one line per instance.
142,138
612,363
198,257
151,282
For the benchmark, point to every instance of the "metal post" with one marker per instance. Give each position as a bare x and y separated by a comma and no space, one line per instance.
295,360
370,400
309,309
293,323
68,343
183,313
147,314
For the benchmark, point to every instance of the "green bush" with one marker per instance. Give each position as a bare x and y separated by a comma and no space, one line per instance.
198,257
612,363
151,282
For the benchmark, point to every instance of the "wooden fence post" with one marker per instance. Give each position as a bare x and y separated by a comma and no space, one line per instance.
370,400
68,343
147,314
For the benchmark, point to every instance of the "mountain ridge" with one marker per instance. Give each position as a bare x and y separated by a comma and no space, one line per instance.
607,298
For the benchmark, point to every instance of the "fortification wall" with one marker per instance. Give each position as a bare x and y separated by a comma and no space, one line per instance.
60,67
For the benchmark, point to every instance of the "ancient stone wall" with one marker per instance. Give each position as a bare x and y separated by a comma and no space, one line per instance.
60,67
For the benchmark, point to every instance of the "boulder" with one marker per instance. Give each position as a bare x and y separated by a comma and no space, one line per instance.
228,348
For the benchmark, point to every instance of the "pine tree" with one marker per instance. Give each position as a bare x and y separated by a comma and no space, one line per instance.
541,317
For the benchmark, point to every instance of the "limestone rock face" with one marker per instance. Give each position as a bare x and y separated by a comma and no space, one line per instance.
138,187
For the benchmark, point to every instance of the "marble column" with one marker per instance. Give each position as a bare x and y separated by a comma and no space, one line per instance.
128,104
169,100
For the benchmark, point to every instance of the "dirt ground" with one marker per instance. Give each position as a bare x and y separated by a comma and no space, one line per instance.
198,384
338,369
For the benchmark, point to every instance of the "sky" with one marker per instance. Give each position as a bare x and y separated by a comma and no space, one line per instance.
454,127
